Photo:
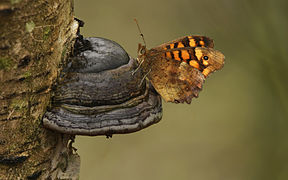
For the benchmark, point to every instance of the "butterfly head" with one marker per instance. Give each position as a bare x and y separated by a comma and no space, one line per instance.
142,51
210,60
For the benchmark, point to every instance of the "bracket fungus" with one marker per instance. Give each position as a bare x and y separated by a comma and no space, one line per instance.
100,93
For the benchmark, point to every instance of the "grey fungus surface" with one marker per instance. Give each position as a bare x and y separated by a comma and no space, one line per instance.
98,94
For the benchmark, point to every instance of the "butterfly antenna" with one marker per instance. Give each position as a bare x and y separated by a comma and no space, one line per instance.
140,31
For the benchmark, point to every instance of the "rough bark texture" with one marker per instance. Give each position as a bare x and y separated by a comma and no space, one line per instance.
35,38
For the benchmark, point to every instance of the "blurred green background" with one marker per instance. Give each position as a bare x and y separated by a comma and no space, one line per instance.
238,127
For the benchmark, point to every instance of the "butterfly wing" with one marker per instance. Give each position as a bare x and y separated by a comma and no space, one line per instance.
177,69
175,81
188,41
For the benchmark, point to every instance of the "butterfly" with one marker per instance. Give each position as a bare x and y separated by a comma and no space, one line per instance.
178,69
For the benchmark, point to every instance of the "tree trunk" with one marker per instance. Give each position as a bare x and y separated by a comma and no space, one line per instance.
35,38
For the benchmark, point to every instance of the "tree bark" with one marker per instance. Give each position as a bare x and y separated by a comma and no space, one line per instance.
35,38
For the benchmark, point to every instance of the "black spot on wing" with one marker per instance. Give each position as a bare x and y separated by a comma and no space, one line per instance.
208,42
192,54
185,41
172,55
180,55
197,40
176,45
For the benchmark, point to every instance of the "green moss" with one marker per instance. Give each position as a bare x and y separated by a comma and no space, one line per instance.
15,1
5,63
30,26
63,54
46,32
27,74
18,104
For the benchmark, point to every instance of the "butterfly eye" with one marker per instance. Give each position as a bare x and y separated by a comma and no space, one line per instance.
142,51
206,58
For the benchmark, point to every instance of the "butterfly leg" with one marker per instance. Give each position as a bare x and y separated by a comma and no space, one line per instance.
144,77
133,72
